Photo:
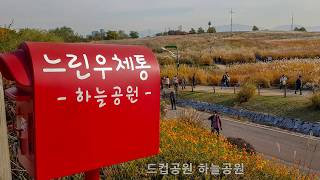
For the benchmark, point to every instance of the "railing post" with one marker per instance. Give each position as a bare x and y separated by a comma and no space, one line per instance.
285,91
214,89
234,89
259,89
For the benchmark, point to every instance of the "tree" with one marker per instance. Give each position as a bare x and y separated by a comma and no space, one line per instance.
200,30
134,34
192,31
302,29
112,35
255,28
67,34
11,39
211,30
122,35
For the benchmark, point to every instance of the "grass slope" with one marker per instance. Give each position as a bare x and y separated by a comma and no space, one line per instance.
292,106
184,143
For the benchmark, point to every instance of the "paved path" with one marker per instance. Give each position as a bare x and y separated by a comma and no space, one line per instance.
286,146
263,92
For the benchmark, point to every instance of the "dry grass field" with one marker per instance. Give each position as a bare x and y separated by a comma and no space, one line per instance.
233,48
293,54
265,74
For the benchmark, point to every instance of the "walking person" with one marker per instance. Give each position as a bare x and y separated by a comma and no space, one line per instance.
183,83
175,81
161,83
215,123
228,79
225,80
173,100
298,85
167,82
194,80
283,81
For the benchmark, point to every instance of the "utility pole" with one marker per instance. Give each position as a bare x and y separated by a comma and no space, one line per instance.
292,21
231,14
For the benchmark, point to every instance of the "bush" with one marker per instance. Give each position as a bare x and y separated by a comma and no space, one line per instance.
315,99
11,39
261,80
163,109
246,92
241,144
190,116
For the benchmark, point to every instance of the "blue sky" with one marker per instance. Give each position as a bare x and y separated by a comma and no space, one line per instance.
87,15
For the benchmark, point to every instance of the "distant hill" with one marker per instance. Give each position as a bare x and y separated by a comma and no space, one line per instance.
235,28
288,28
285,27
313,29
148,32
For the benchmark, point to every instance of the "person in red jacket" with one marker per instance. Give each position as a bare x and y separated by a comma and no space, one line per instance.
215,123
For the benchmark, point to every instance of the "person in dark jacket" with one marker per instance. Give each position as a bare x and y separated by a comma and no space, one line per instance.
173,100
225,81
215,123
183,83
193,80
299,85
161,83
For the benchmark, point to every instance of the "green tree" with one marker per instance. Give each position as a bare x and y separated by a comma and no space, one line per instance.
37,35
67,34
211,30
134,34
123,35
200,30
192,31
302,29
8,39
255,28
11,39
112,35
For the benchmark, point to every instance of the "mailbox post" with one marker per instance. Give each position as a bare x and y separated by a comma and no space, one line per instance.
81,107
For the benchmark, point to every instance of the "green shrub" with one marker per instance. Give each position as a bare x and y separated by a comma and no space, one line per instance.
163,109
246,92
315,99
11,39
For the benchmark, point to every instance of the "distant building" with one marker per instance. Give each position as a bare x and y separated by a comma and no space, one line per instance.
95,33
102,33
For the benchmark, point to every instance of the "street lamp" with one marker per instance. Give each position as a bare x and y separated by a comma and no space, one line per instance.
166,48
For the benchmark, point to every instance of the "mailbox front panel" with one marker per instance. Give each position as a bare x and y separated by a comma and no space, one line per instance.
95,105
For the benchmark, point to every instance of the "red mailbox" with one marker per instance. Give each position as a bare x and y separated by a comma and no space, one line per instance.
83,106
